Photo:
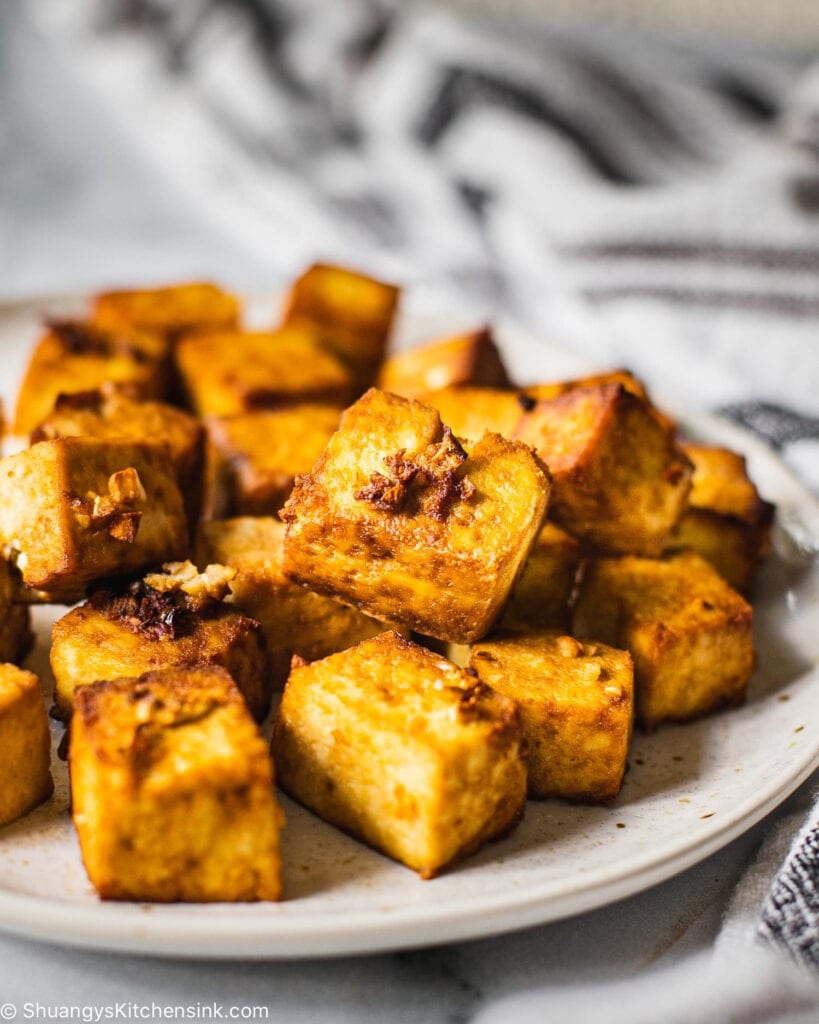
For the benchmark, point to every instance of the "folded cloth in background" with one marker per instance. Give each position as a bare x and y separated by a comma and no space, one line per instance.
645,200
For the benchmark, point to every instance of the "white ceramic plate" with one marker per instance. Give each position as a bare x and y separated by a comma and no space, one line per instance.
689,791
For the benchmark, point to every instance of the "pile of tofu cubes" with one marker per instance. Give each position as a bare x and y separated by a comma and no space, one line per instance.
466,589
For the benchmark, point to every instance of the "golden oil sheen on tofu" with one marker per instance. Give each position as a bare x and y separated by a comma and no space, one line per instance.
399,747
172,790
293,620
399,521
25,744
76,509
689,633
168,620
576,703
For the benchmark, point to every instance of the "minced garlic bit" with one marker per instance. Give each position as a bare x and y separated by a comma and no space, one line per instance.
211,584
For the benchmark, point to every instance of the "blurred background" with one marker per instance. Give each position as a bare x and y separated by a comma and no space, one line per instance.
635,180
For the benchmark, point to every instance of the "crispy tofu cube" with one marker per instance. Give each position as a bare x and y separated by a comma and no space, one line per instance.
259,454
689,633
399,521
73,357
400,748
352,313
541,392
576,703
16,637
470,358
173,619
25,744
620,480
225,373
471,411
726,522
293,620
169,311
108,414
76,509
540,597
172,790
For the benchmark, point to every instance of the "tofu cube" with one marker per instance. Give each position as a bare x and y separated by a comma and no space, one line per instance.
170,311
173,619
77,509
689,633
25,744
399,521
541,392
462,359
110,415
225,373
172,790
576,703
620,479
727,522
16,637
400,748
472,411
293,620
540,597
721,483
73,357
259,454
352,313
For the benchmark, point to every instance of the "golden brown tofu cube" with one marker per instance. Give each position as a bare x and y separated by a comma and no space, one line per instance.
576,703
108,414
727,522
293,620
471,358
173,619
352,313
259,454
470,412
399,521
689,633
170,311
225,373
76,509
721,483
540,392
25,744
620,480
16,637
172,790
540,597
73,357
402,749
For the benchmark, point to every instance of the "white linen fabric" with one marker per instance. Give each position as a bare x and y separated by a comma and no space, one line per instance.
641,199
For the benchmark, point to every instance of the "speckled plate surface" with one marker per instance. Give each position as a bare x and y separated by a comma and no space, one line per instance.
689,791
